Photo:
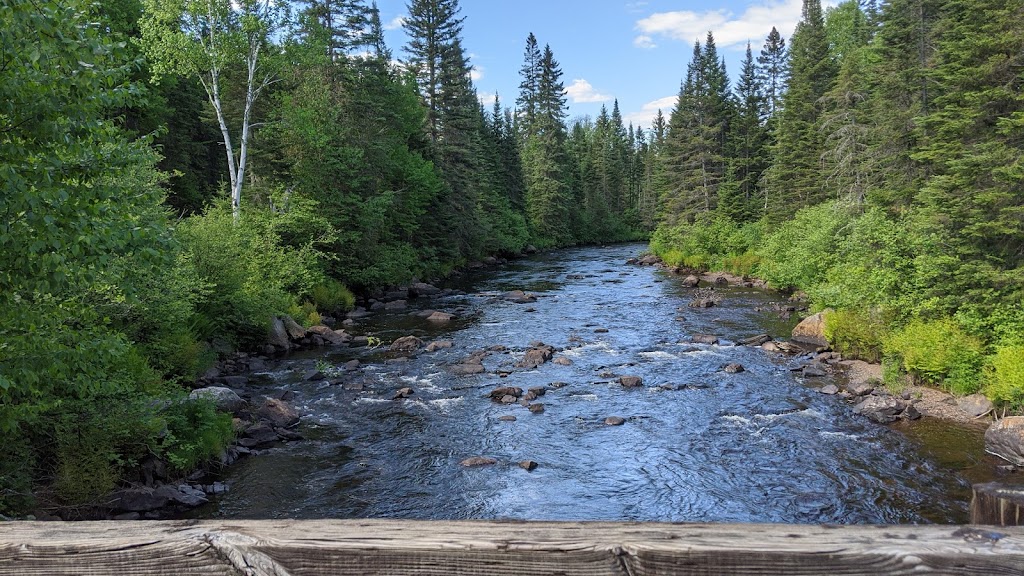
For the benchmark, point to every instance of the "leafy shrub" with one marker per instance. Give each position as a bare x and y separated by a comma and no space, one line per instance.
800,252
332,296
1005,376
938,352
856,334
709,243
195,433
305,314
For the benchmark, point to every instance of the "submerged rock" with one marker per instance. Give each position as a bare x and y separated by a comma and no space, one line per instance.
614,421
528,465
631,381
403,393
704,339
478,461
734,368
439,345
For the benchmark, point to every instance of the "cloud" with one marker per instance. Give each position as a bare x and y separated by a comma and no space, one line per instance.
486,98
582,92
395,23
644,41
729,29
645,116
476,73
636,6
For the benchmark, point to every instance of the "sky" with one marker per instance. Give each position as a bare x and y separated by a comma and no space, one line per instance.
632,50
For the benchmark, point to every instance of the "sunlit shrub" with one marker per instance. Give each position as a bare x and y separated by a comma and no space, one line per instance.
856,334
800,252
332,296
938,352
1005,376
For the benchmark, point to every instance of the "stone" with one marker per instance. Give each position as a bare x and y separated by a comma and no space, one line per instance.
758,340
519,297
829,389
811,330
614,421
313,376
530,249
528,465
691,281
439,345
538,391
278,335
649,260
352,365
403,393
507,399
224,399
467,369
535,357
702,303
910,413
562,361
860,388
406,344
704,339
771,347
478,461
395,305
536,408
733,368
507,418
631,381
440,317
334,337
278,413
1005,439
502,391
139,499
881,409
186,495
294,329
417,289
975,405
815,370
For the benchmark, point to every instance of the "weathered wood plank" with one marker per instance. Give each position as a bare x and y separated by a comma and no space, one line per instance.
392,547
998,505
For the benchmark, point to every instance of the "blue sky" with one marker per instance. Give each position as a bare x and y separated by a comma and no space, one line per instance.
633,50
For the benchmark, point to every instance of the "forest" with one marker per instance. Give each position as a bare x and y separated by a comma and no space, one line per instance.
177,172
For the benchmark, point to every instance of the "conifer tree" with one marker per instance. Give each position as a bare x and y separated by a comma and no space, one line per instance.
773,70
739,198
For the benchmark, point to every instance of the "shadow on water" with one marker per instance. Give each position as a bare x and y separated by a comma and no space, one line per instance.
698,444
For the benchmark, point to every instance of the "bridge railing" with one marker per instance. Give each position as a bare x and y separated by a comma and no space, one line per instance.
398,547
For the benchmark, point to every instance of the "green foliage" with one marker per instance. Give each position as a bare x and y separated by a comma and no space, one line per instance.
856,334
799,253
938,352
1004,376
332,296
251,274
194,433
710,243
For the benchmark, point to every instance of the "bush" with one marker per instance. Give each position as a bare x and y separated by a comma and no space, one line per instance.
195,433
710,243
856,334
800,252
332,296
1005,376
938,352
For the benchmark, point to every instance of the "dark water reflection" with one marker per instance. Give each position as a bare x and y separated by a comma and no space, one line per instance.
759,446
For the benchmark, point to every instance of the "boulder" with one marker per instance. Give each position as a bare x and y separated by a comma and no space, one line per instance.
704,339
631,381
440,317
395,305
860,388
881,409
649,260
334,337
478,461
771,346
758,340
352,365
224,399
538,391
528,465
278,335
406,344
614,421
502,391
829,389
536,356
530,249
507,418
439,345
1005,439
403,393
811,330
278,413
975,405
815,370
467,369
519,297
562,361
313,376
733,368
417,289
294,329
691,281
536,408
702,303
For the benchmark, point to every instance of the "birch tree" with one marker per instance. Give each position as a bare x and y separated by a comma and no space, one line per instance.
209,39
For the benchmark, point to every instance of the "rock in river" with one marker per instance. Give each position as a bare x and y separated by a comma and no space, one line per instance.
406,344
811,330
631,381
1005,439
536,356
278,413
402,393
224,399
733,368
614,421
467,369
528,465
478,461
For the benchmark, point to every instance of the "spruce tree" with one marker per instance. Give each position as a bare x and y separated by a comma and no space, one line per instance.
740,197
773,70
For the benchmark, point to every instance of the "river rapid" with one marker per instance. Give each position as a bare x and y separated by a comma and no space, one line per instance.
698,444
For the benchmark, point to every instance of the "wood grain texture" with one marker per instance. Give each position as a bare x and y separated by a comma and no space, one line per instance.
392,547
998,505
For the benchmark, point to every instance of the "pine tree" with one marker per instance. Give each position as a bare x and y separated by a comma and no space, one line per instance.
748,146
347,23
529,88
796,173
773,70
433,27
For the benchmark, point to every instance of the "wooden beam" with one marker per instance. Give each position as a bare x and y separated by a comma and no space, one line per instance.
998,504
394,547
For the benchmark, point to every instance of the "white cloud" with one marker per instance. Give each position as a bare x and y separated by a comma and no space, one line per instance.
636,6
645,116
582,92
476,73
486,98
395,22
729,29
644,41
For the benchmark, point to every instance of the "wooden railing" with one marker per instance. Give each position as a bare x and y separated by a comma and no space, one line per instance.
393,547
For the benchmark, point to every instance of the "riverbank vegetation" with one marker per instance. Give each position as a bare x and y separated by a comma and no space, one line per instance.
177,173
873,163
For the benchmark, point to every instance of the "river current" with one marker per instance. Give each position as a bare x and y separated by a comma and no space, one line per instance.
698,444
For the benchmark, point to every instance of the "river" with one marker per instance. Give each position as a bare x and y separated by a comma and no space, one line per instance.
698,444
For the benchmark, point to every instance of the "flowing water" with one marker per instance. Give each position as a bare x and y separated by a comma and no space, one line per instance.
698,444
